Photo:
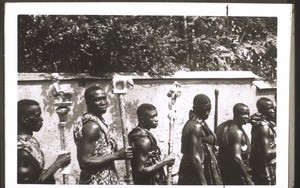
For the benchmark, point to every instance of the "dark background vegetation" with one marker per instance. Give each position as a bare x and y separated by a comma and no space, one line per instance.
159,45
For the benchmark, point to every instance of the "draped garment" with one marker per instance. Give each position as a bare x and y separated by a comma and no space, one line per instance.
156,178
229,169
187,171
263,169
105,146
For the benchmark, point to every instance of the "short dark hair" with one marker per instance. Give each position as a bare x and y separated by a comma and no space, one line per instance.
261,102
23,105
143,109
87,93
200,100
237,107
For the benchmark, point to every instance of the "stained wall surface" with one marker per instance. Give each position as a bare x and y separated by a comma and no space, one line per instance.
232,89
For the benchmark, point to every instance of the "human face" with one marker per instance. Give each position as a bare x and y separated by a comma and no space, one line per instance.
33,119
204,111
268,109
150,119
98,102
242,115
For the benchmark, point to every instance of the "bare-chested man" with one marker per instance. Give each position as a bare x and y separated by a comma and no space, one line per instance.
199,164
263,146
30,156
96,150
147,166
235,148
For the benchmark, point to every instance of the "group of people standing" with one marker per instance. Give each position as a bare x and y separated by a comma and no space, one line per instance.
225,156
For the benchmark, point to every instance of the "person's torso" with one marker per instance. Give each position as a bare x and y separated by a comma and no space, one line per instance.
256,132
225,135
105,145
154,153
153,157
257,150
32,146
190,127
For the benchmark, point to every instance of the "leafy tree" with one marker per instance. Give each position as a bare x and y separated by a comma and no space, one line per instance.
235,43
159,45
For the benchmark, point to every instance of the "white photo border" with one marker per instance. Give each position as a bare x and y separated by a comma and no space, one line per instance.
283,12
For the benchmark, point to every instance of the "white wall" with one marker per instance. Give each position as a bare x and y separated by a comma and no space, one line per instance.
146,90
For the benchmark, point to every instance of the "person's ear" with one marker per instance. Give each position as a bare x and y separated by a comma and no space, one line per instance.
142,119
25,119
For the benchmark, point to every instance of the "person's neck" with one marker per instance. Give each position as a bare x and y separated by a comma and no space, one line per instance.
269,118
272,121
194,114
237,123
99,115
142,126
25,131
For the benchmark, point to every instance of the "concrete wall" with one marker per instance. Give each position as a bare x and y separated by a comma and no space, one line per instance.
233,88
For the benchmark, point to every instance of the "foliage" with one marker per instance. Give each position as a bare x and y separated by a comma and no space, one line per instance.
159,45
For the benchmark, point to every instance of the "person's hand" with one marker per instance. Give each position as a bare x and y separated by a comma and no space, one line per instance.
63,159
169,159
124,153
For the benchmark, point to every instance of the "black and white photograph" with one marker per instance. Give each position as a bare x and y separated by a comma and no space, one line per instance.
148,94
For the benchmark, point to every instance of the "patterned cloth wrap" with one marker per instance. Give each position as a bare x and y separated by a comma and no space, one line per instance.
230,171
105,146
187,173
159,177
31,145
263,170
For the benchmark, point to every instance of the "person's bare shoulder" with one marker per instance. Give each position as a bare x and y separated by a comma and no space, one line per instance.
142,145
91,131
263,130
234,133
194,127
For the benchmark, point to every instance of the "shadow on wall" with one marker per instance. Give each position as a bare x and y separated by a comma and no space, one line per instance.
79,107
115,126
232,89
77,99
